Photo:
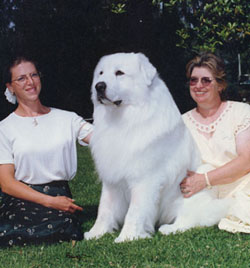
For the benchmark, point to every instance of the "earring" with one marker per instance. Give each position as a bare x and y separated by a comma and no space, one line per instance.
10,96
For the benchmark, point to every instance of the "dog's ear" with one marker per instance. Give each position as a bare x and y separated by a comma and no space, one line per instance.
147,69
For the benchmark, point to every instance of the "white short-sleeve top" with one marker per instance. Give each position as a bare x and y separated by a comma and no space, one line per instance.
42,149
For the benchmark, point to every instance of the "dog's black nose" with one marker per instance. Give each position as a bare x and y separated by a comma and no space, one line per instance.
100,88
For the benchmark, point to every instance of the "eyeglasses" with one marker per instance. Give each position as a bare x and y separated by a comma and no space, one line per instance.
23,78
205,81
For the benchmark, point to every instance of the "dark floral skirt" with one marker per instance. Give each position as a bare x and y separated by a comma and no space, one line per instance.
23,222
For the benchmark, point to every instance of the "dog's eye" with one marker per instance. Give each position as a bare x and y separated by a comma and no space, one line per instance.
119,72
101,72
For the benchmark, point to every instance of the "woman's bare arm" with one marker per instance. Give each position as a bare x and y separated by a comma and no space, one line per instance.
225,174
11,186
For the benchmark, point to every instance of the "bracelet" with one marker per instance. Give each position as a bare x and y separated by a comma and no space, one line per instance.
209,186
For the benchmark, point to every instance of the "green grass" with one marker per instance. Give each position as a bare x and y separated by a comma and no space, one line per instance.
199,247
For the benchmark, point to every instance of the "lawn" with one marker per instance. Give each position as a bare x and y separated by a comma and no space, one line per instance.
199,247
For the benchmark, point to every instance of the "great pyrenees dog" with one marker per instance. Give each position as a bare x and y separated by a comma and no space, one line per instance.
142,151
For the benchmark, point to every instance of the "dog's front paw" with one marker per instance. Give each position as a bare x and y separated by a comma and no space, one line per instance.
167,229
121,239
129,237
91,235
95,233
99,229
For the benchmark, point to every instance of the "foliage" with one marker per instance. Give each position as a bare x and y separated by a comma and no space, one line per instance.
118,8
67,38
212,25
199,247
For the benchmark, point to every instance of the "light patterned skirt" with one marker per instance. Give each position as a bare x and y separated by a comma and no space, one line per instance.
23,222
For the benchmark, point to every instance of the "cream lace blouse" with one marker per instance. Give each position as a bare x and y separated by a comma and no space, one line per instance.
220,148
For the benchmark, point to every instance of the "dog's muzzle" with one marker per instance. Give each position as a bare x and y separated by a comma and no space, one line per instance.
101,94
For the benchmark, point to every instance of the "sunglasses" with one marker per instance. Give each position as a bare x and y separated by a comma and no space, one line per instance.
205,81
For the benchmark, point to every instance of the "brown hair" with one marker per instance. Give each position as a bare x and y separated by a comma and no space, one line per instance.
14,61
213,63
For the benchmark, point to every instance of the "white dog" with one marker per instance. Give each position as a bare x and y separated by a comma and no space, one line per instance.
142,151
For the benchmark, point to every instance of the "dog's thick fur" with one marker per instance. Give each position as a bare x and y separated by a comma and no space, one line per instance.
142,151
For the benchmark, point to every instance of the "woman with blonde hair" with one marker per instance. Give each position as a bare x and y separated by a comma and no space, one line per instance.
221,130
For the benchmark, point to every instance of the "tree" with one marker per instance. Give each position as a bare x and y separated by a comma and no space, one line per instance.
67,38
212,24
221,26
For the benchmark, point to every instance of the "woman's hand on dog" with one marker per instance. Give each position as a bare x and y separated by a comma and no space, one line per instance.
192,184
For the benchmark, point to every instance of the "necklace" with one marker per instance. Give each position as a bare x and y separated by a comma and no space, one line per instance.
35,123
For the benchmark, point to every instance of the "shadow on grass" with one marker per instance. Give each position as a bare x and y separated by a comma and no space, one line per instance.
88,214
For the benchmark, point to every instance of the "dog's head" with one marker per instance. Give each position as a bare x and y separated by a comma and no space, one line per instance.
122,79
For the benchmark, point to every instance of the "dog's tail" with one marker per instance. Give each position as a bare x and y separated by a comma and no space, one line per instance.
211,210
